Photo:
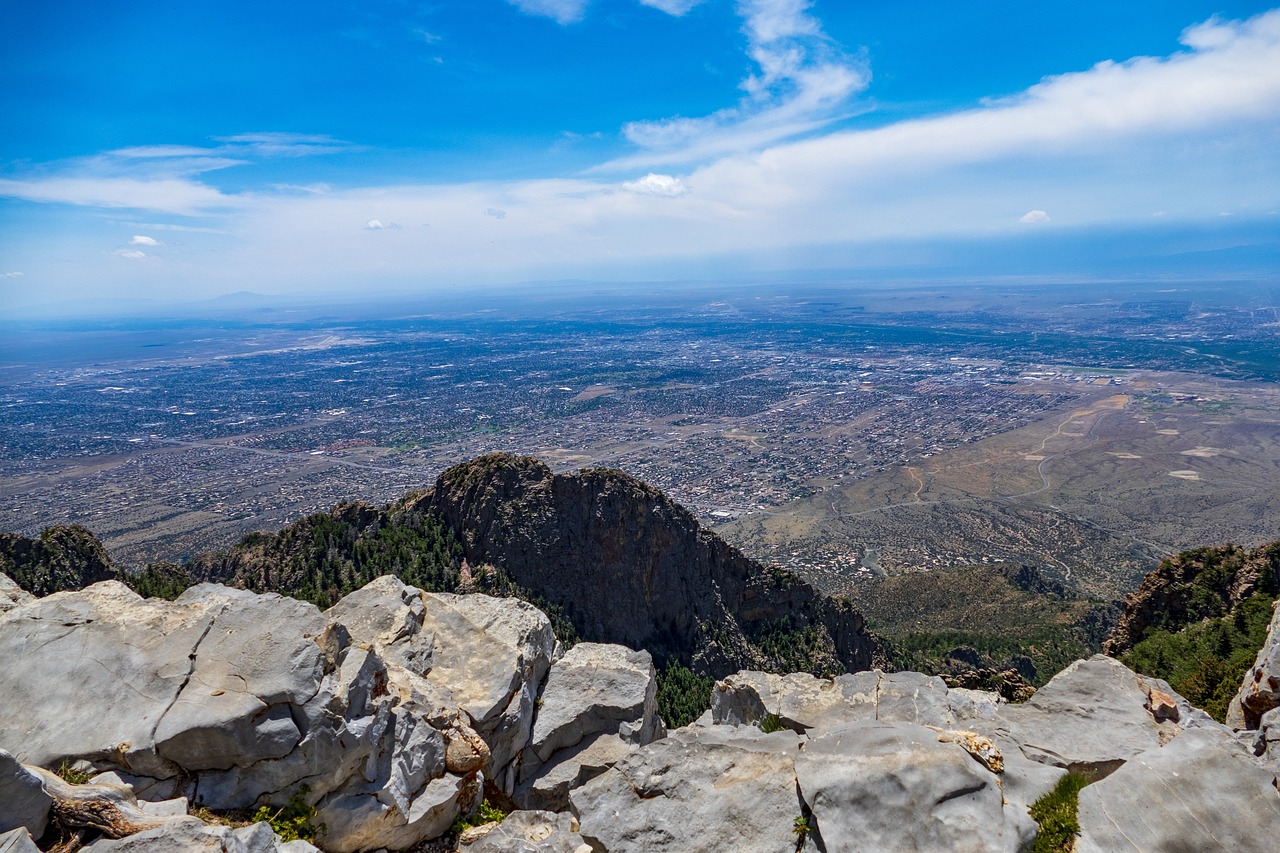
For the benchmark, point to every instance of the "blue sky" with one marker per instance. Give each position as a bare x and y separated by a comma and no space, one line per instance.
181,150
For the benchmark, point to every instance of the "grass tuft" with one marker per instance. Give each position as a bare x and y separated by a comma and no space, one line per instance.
1055,812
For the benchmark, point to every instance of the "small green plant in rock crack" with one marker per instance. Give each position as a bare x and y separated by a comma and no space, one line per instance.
771,723
293,821
487,813
73,775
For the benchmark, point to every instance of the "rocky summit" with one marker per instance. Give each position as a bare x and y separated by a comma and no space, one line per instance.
400,719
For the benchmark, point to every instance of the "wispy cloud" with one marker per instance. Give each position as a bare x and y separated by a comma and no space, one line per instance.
673,7
802,81
560,11
1034,217
143,240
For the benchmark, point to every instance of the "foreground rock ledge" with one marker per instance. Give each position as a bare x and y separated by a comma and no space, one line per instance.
397,709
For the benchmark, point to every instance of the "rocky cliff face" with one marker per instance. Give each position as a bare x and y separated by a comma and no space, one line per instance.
1192,586
630,566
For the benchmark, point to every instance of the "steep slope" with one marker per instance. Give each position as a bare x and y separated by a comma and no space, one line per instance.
62,557
1193,586
1198,620
628,565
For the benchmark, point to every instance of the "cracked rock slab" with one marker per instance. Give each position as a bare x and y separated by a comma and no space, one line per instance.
696,791
1199,792
896,786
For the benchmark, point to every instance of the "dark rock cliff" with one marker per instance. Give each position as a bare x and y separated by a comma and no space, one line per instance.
630,566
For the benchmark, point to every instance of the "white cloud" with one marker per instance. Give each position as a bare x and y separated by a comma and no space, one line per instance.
143,240
377,225
652,184
560,11
273,144
803,80
172,195
673,7
1034,217
14,274
132,254
495,213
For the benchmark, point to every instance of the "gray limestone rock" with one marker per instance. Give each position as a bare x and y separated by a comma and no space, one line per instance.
236,700
1260,690
696,791
547,786
12,595
596,688
17,841
1092,717
388,616
896,786
193,836
490,655
531,832
802,701
1199,792
23,801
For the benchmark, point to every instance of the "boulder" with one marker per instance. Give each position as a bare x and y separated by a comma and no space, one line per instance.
1260,690
598,703
898,786
696,791
387,615
531,832
490,655
1199,792
24,804
193,836
12,595
802,701
1092,717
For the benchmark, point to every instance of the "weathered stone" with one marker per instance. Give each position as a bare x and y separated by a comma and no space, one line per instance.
596,688
23,800
388,616
490,654
1200,792
696,791
367,822
170,683
1090,717
193,836
1260,690
12,595
531,832
802,701
17,841
547,786
894,786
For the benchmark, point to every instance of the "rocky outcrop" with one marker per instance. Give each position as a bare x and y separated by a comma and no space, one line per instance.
236,700
11,595
392,713
1192,586
530,832
63,557
1260,691
696,791
629,566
